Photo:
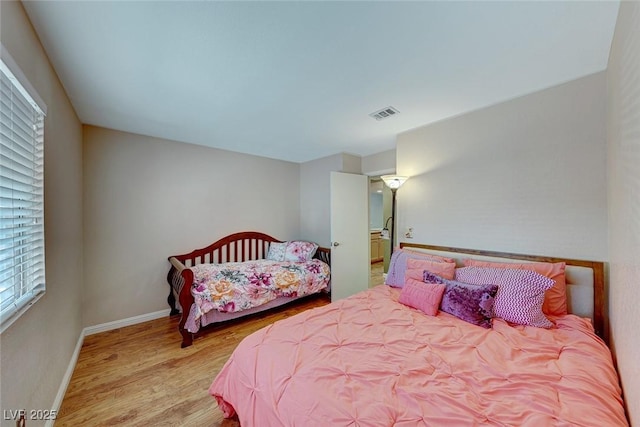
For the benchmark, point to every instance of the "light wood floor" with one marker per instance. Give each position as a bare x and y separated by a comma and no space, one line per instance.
376,274
139,375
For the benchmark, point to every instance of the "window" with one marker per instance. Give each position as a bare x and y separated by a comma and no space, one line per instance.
22,278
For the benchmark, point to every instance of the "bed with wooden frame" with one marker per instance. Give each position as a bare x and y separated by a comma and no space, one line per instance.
370,360
234,248
585,279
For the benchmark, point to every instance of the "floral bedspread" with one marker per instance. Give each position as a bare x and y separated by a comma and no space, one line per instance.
237,286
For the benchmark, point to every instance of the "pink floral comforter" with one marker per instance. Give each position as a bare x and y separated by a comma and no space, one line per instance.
368,360
237,286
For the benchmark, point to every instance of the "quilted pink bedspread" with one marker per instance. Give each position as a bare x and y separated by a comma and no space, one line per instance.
371,361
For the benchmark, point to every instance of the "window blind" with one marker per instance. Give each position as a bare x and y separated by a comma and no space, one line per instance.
22,269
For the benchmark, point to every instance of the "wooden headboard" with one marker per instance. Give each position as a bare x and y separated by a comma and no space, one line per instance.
238,247
585,279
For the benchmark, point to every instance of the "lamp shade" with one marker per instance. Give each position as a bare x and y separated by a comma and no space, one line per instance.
394,181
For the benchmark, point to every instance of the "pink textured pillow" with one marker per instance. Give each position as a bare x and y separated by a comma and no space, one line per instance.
398,265
520,293
428,256
425,297
414,274
446,270
555,299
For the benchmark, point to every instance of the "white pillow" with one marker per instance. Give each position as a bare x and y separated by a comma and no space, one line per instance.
276,251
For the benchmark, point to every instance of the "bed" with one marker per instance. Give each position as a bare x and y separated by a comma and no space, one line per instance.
241,274
370,360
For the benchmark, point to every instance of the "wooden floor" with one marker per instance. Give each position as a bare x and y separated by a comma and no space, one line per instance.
139,375
376,274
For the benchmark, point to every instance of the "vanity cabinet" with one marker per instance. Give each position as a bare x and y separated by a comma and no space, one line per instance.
377,247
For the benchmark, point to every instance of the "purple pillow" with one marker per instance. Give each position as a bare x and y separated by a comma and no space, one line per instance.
520,293
471,303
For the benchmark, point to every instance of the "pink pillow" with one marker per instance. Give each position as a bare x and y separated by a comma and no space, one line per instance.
555,299
425,297
398,265
520,293
414,274
428,256
446,270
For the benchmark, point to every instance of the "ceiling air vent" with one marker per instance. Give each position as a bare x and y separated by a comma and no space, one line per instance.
385,113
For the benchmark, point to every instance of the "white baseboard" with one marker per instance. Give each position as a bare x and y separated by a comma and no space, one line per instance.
95,330
67,378
103,327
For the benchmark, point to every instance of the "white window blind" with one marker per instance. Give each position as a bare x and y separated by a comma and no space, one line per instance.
22,277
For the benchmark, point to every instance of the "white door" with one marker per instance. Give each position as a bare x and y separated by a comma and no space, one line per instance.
350,238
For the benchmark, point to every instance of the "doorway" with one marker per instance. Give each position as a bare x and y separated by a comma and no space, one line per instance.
379,216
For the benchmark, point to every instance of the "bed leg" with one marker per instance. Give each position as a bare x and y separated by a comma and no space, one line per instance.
171,300
172,275
187,338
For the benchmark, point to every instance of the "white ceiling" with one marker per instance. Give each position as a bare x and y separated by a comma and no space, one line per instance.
297,80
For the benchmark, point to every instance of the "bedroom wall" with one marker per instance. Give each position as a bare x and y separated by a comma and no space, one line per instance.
315,195
379,164
527,175
147,198
36,349
623,144
315,220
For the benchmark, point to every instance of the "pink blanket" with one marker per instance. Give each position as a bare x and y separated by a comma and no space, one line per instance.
371,361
